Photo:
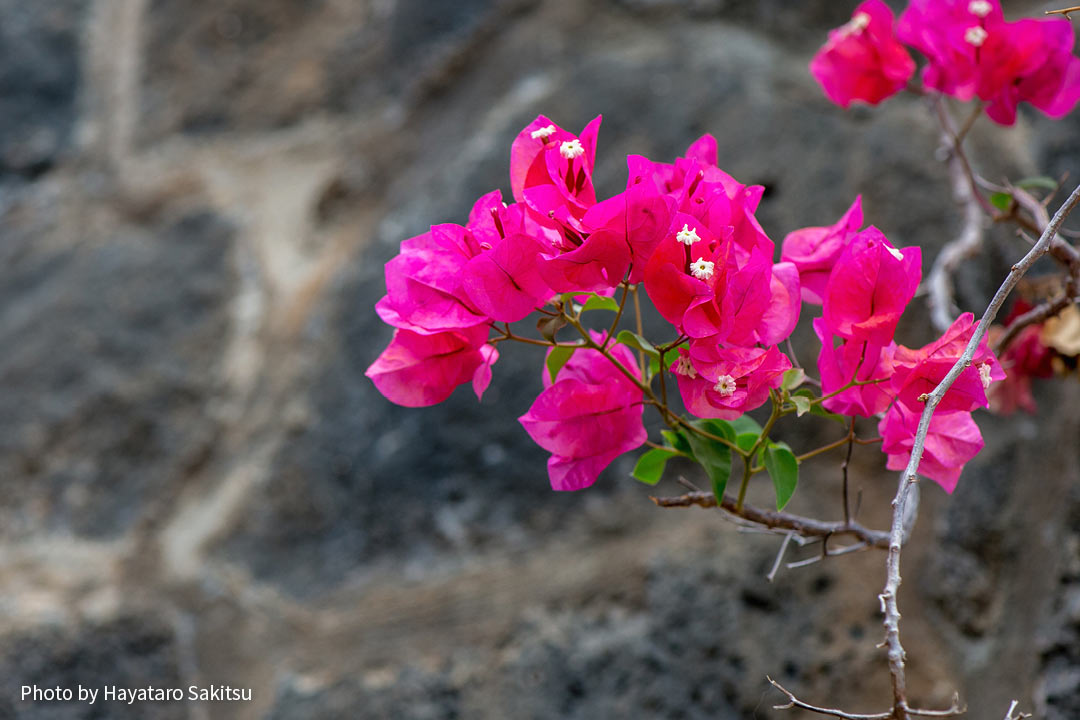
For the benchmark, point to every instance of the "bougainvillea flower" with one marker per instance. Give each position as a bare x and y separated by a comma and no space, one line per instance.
423,283
502,280
854,360
589,416
640,215
952,440
871,284
419,370
724,383
814,250
1044,71
917,372
966,42
781,316
675,287
862,59
551,171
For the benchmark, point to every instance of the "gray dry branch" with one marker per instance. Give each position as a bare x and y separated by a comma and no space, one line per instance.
908,478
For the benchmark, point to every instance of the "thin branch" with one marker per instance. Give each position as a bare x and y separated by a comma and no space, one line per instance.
1012,706
794,702
804,526
780,556
909,477
969,241
952,711
1035,315
1065,12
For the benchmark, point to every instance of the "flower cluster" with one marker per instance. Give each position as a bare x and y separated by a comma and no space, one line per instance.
686,233
971,52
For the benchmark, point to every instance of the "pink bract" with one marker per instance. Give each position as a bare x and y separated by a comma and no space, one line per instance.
814,250
590,415
419,370
863,60
920,371
725,383
869,288
952,440
854,360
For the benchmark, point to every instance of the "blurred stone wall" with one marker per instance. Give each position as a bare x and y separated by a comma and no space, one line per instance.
201,487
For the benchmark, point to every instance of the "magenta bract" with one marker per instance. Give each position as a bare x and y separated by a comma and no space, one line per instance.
590,415
863,60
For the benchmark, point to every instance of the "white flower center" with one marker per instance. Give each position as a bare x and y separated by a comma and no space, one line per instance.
571,149
683,367
976,36
725,385
894,252
984,375
858,23
980,8
542,133
688,235
702,269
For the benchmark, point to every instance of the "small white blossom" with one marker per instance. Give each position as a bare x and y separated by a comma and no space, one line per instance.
702,269
894,252
725,386
542,133
683,367
688,235
572,149
980,8
984,375
858,23
976,36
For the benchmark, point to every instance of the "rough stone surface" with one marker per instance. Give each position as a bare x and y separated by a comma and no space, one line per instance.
201,486
40,72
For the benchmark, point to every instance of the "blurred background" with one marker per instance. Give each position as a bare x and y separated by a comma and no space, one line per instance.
201,487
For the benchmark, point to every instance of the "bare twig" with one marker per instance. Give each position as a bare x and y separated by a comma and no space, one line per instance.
1012,706
804,526
1035,315
780,556
909,477
794,702
1064,11
969,241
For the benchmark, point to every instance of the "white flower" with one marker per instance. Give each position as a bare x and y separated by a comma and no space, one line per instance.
702,269
858,23
981,8
683,367
688,235
976,36
984,375
725,386
571,149
542,133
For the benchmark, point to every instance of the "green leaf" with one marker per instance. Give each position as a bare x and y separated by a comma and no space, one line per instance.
637,342
650,466
599,302
557,358
654,365
745,441
1001,200
746,424
802,405
713,456
678,442
783,468
792,378
816,408
1041,182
